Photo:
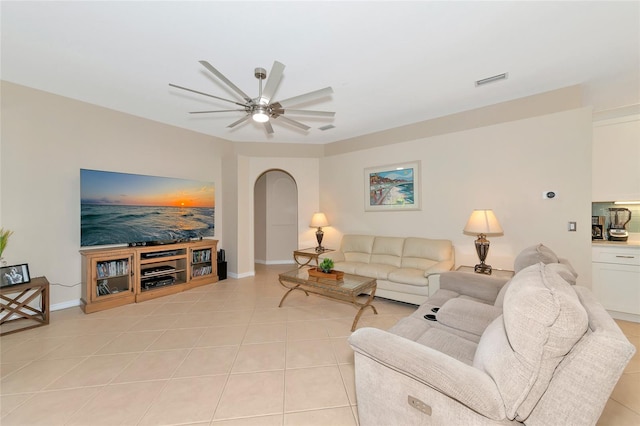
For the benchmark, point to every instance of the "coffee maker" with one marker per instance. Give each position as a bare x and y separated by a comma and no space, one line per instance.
618,219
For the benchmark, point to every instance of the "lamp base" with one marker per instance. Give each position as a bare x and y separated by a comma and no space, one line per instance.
482,268
319,235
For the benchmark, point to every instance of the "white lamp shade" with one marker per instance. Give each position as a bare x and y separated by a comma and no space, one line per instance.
483,222
318,221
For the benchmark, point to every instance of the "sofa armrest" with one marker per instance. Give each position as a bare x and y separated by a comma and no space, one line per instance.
478,286
438,268
467,315
336,256
464,383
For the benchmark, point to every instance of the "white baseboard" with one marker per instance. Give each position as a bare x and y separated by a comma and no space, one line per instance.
245,275
624,316
65,305
274,262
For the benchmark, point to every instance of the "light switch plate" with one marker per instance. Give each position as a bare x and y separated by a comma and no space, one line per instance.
572,227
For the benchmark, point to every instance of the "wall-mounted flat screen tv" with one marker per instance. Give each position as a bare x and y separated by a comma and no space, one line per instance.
123,208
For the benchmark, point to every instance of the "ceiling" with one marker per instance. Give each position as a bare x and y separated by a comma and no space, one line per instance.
389,63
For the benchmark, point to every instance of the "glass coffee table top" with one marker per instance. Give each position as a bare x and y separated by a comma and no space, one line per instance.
349,284
345,290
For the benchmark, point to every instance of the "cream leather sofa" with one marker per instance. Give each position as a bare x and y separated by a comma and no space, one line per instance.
406,269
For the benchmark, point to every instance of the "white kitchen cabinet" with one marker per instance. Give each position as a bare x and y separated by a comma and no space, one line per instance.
616,159
616,279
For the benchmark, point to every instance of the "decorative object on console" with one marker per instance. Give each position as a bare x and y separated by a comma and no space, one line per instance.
392,187
319,220
331,275
4,240
14,274
483,223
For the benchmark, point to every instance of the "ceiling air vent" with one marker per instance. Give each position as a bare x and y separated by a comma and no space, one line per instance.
327,127
492,79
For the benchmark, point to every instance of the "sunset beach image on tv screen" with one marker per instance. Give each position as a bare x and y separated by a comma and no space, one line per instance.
120,208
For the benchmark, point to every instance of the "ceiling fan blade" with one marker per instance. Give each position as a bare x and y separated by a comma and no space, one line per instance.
293,122
205,94
306,97
219,110
268,127
235,123
273,80
218,74
307,112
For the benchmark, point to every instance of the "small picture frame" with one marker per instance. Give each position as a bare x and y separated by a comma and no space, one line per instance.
14,275
392,187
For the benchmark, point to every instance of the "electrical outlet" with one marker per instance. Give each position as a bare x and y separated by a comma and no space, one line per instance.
572,227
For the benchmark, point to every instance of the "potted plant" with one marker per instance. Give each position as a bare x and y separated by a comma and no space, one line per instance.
325,270
4,239
326,265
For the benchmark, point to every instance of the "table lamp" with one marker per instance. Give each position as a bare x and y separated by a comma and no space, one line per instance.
481,223
318,221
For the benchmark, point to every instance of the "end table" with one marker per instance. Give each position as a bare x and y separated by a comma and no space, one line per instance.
15,300
310,254
495,272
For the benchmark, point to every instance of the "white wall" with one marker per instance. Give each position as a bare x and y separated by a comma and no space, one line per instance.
46,139
260,219
504,167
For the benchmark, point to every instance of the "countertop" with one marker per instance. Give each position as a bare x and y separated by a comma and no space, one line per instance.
606,243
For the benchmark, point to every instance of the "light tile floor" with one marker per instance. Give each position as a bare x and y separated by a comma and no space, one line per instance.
222,354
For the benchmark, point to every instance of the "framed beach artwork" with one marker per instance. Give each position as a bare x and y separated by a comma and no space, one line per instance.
392,187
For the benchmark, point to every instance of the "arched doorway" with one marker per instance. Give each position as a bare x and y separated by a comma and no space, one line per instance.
275,217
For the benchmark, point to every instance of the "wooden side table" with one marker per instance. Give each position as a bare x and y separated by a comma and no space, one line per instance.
309,254
15,300
495,272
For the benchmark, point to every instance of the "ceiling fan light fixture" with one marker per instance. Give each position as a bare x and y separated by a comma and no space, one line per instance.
260,115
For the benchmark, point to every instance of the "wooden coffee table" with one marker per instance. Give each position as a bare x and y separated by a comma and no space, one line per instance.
345,290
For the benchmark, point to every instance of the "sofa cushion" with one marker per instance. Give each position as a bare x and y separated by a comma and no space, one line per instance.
378,271
467,315
387,251
449,344
500,298
409,276
357,248
348,267
542,320
565,270
532,255
423,253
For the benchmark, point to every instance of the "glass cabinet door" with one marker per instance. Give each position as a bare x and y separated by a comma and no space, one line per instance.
201,265
112,277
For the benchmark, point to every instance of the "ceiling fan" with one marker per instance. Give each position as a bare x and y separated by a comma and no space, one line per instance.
263,109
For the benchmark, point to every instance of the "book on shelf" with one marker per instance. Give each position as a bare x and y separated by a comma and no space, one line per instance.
112,268
202,271
200,256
